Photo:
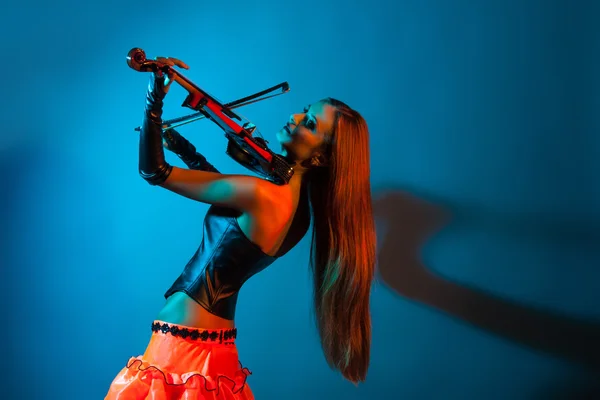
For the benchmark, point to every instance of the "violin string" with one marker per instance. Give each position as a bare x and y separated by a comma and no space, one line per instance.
184,120
174,123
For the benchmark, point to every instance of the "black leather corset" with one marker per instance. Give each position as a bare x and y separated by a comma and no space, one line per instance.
225,259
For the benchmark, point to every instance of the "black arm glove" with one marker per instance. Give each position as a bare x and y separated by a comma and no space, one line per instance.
187,151
152,165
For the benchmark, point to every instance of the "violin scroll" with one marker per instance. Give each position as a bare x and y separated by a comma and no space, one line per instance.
136,59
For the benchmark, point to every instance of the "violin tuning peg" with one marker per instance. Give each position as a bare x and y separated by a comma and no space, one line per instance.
249,126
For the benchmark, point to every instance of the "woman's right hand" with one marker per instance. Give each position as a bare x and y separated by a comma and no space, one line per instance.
173,141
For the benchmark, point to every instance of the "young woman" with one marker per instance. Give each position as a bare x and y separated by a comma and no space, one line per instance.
250,224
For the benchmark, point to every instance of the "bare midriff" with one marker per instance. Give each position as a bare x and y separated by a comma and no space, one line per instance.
181,309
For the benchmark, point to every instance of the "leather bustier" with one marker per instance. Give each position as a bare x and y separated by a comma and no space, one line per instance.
225,259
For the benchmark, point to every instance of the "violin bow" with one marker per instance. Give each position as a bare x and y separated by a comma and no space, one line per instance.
283,88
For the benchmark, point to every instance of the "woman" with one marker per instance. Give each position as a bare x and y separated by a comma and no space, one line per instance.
251,223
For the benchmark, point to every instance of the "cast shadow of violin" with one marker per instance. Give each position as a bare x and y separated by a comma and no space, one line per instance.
409,222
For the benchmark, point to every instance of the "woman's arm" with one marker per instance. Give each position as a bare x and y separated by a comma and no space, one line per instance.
241,192
244,193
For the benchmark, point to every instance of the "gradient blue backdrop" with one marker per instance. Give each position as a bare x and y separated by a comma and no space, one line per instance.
486,109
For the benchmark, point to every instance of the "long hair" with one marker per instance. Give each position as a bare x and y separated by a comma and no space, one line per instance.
343,248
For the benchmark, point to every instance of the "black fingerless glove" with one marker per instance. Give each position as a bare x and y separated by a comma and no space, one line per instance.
187,151
152,165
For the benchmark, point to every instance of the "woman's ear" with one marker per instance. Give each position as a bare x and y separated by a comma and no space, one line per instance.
316,161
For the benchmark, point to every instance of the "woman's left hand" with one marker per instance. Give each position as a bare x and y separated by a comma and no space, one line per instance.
171,62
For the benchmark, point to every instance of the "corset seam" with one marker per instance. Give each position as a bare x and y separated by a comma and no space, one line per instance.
206,272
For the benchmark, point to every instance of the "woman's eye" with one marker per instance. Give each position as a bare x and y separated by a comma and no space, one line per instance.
310,124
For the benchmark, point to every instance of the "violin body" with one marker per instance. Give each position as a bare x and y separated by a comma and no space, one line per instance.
276,168
249,151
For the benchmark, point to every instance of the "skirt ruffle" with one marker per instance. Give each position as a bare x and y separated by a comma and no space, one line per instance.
174,368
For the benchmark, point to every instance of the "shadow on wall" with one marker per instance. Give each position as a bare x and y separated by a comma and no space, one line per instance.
11,270
409,222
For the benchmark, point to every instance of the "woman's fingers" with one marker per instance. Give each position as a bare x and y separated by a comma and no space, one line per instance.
179,63
164,60
171,61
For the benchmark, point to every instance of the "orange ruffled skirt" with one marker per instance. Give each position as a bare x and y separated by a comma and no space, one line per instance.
183,363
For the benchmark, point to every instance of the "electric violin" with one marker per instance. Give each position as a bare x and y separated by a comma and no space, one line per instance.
245,145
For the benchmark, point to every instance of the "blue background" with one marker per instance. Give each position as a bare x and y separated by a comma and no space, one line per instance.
485,159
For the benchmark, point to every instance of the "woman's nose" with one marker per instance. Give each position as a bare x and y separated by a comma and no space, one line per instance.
293,119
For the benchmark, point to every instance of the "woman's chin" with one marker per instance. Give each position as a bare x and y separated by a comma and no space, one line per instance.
282,136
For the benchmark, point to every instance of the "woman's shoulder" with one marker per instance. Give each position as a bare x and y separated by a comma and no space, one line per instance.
276,199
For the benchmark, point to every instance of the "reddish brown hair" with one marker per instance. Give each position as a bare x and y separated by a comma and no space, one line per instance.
343,246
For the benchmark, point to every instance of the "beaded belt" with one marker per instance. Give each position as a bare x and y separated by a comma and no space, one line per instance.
204,335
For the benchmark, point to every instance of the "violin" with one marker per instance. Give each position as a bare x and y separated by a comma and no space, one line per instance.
246,148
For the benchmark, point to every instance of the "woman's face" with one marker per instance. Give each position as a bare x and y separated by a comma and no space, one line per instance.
305,134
